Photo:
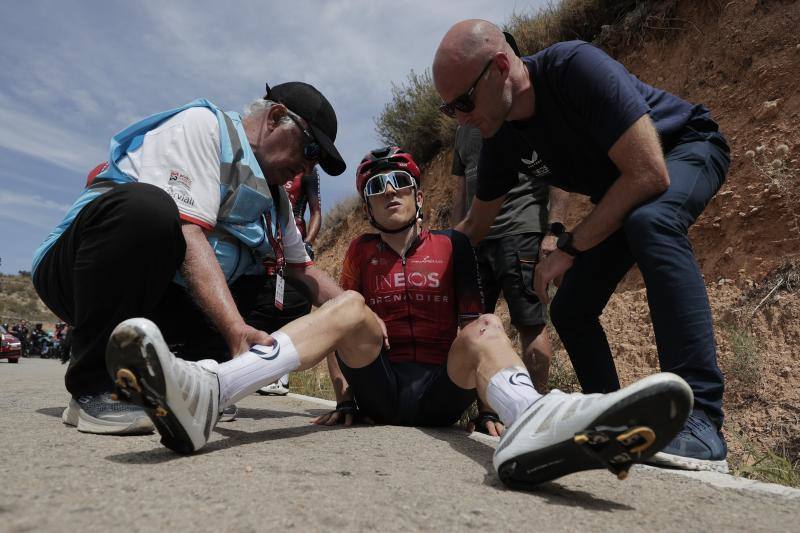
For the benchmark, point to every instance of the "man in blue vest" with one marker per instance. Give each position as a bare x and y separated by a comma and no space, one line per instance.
649,160
176,226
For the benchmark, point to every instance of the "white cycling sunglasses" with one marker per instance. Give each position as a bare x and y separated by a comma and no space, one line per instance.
399,179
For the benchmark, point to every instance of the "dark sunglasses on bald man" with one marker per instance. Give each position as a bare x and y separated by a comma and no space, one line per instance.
397,178
463,103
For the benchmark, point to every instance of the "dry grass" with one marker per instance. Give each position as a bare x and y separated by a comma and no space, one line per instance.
774,162
568,20
745,365
771,466
313,382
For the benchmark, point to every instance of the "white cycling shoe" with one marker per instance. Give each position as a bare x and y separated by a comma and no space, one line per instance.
564,433
180,397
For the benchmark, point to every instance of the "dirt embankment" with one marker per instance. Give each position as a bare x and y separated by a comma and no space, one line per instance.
742,60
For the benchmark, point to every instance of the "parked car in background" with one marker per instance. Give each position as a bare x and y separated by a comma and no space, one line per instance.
10,347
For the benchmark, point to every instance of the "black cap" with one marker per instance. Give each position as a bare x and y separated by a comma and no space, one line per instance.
512,43
306,101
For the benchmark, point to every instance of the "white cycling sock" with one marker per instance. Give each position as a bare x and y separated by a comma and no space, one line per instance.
510,392
260,366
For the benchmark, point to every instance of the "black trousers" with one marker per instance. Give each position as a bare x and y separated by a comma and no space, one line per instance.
117,261
255,296
655,237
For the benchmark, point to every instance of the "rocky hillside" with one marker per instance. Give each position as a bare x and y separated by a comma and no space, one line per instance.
741,59
18,300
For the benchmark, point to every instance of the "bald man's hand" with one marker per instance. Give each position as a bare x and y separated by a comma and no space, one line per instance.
551,268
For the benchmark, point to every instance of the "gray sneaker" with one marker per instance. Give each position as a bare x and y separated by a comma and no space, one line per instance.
102,415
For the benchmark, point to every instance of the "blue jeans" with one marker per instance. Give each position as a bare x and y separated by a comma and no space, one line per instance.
653,236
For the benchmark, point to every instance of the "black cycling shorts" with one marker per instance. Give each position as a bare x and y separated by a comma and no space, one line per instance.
407,394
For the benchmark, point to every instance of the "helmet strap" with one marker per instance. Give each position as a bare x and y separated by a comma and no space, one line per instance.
411,222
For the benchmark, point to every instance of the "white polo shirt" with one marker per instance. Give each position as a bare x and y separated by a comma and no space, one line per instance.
181,157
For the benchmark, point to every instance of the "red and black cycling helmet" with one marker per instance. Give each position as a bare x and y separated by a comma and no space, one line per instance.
386,158
380,160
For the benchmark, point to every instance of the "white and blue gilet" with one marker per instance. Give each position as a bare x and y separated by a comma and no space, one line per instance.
239,239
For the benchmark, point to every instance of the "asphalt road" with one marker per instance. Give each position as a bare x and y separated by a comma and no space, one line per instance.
271,470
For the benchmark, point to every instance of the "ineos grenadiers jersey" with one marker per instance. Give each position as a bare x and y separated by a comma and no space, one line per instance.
424,297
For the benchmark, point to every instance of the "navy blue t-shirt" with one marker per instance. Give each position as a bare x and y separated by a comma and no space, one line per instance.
584,102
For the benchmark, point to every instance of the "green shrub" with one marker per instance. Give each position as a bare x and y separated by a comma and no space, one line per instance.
412,119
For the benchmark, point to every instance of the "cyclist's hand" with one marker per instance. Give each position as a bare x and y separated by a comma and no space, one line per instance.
488,423
346,413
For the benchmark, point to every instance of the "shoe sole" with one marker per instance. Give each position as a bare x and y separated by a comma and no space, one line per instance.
270,393
142,426
628,432
72,416
69,416
669,460
139,379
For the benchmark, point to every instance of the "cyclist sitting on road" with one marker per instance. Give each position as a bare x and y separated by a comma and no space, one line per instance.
424,285
548,436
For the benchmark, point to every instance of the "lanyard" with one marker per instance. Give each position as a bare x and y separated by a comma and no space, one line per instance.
275,240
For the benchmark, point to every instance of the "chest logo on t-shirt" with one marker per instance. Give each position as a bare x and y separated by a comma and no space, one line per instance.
535,166
397,287
411,279
176,177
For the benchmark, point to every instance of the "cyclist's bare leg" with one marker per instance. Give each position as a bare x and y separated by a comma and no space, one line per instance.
344,324
480,351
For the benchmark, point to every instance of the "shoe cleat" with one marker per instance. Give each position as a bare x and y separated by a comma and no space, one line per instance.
641,434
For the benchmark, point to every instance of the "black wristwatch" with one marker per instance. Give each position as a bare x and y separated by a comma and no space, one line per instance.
556,228
564,243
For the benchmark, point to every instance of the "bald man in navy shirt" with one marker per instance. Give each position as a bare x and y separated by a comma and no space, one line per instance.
648,160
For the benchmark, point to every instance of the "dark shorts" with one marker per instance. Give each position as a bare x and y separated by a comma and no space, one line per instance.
507,264
407,394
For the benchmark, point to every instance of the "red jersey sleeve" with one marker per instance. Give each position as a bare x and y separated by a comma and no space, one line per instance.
350,279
